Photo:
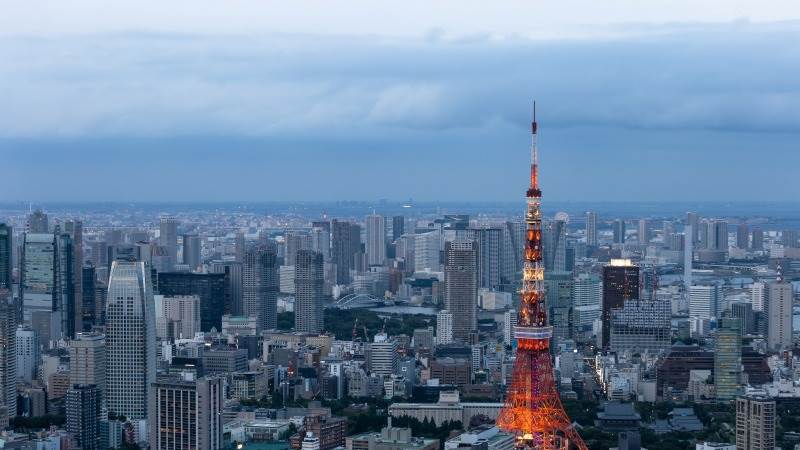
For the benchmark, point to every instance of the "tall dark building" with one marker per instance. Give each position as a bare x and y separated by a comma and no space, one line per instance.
75,230
461,286
620,283
210,287
233,282
38,223
758,239
346,243
619,231
742,236
192,251
90,310
6,262
83,408
66,303
260,285
308,278
398,227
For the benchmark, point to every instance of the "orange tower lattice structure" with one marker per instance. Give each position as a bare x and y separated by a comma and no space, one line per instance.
533,409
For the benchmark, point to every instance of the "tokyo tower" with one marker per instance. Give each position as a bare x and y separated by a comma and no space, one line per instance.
533,410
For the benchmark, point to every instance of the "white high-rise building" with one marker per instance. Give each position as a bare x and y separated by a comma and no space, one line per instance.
426,251
27,343
591,229
586,305
444,327
130,339
758,295
509,322
168,238
382,355
87,360
704,301
376,240
177,317
644,232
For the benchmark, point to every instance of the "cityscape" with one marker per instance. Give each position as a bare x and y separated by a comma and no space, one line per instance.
414,279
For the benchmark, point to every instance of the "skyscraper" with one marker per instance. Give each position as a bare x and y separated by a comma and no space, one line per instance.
65,303
295,241
8,353
38,288
728,359
192,251
742,236
239,246
718,235
755,423
558,300
586,306
6,256
779,314
168,238
308,281
233,283
619,231
91,311
75,230
210,288
591,229
758,295
130,339
27,345
83,412
490,242
186,414
758,238
376,240
398,227
38,223
321,238
644,232
620,283
461,286
87,360
704,301
789,238
260,286
693,220
641,324
345,243
688,257
554,243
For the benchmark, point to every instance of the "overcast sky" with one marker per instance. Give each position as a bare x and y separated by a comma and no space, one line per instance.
259,101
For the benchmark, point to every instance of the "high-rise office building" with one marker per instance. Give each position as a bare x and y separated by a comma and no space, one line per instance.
718,235
345,244
168,238
509,322
591,229
87,360
461,286
758,239
27,349
260,286
554,241
444,327
38,281
8,353
427,248
743,311
704,301
728,359
755,423
91,311
308,281
210,288
643,232
688,258
398,227
619,231
758,295
233,284
620,283
558,301
376,239
321,238
83,413
75,230
185,414
294,241
177,317
6,256
641,324
586,306
192,251
239,246
38,222
130,339
742,236
490,267
67,306
382,355
693,220
779,314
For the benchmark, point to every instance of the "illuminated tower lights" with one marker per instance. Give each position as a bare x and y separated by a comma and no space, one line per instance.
533,410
